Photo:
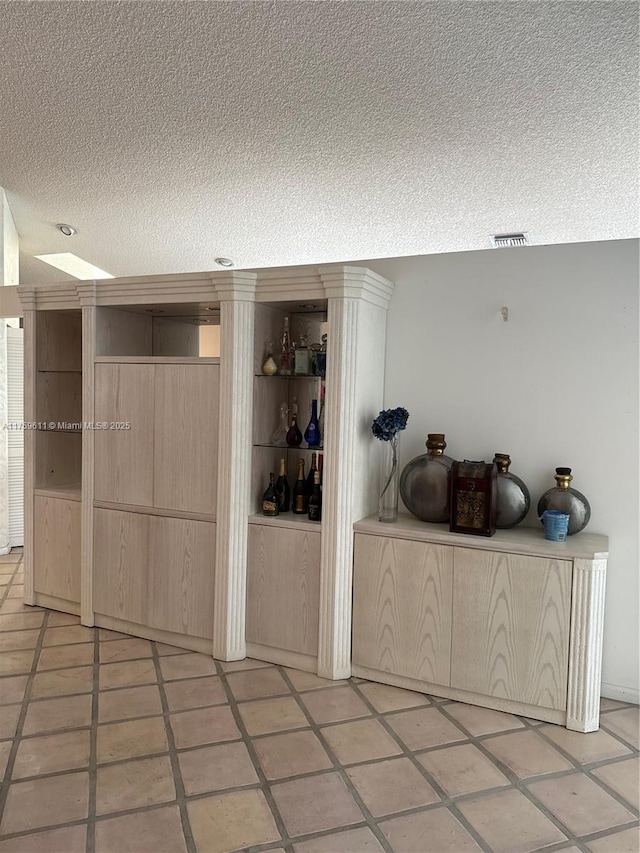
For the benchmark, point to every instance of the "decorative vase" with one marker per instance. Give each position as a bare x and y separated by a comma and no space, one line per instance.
389,479
565,499
425,482
513,495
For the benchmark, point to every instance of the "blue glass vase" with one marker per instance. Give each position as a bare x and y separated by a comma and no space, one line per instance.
312,432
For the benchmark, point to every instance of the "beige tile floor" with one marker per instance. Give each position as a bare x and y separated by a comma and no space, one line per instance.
110,744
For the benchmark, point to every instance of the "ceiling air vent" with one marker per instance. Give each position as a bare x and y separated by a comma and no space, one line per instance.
502,241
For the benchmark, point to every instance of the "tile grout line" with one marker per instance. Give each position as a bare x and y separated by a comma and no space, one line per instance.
173,755
337,766
93,746
4,792
247,739
445,800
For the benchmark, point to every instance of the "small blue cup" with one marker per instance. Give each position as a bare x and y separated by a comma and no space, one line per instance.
556,525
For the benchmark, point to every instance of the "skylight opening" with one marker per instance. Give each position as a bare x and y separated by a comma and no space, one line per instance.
73,265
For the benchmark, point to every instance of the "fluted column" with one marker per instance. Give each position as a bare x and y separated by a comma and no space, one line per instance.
237,294
585,645
27,298
336,565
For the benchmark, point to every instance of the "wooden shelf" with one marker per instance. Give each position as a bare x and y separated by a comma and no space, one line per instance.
519,540
69,492
155,359
287,519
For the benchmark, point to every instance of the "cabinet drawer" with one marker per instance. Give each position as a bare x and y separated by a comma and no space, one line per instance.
283,588
511,626
402,607
57,548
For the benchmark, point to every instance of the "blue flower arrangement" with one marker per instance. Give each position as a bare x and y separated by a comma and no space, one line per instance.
389,423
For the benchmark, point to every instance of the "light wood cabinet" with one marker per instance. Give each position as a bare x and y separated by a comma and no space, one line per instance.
402,615
155,571
185,437
283,589
512,622
511,618
57,553
167,457
124,394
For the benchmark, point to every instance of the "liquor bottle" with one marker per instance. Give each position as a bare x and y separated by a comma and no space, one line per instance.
320,465
312,432
315,500
285,350
565,499
513,499
302,358
294,436
300,496
282,488
312,471
425,482
321,412
270,498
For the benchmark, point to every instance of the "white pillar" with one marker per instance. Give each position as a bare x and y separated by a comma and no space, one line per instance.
9,265
236,293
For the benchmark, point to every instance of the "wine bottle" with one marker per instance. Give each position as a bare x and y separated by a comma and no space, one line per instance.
310,475
282,488
300,496
315,500
294,436
320,465
285,350
270,498
312,432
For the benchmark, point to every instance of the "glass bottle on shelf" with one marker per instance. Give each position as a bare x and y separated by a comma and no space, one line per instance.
321,413
512,497
269,366
425,482
565,499
321,358
285,350
315,500
320,465
311,474
279,435
312,432
270,502
282,489
300,496
301,367
294,436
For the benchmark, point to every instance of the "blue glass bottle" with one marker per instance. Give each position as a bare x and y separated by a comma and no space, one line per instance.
312,432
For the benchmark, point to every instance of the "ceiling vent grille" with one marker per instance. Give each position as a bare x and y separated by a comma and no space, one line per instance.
503,241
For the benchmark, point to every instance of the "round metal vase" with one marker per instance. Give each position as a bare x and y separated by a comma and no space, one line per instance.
513,498
425,482
562,497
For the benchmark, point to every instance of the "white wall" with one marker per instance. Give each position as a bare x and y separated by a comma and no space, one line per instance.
555,385
9,244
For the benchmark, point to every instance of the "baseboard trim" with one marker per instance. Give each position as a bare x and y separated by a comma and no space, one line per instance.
622,694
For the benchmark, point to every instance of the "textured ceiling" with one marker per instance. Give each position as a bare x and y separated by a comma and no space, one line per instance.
292,132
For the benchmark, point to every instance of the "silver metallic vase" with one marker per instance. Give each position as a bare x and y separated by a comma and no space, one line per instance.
513,499
562,497
425,482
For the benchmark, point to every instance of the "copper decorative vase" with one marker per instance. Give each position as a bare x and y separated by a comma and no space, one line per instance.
562,497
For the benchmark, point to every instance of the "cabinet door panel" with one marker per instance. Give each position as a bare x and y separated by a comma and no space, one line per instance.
124,458
57,547
120,564
511,626
283,588
402,607
181,568
186,437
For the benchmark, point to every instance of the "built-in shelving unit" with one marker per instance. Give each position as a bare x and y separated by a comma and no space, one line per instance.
157,513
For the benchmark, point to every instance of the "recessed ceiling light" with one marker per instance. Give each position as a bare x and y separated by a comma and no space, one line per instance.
67,230
73,265
224,262
307,305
